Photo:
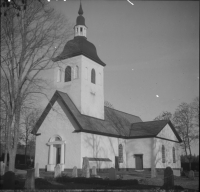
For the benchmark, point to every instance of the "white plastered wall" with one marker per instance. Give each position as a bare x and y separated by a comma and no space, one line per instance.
73,87
168,135
58,123
168,154
88,97
98,146
92,95
139,146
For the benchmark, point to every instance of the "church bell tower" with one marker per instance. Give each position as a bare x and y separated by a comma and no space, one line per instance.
81,72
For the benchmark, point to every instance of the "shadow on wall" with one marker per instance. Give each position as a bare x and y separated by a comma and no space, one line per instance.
160,160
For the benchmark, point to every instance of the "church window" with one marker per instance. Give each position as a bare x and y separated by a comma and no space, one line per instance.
81,29
76,72
174,155
120,159
163,154
68,74
93,76
59,75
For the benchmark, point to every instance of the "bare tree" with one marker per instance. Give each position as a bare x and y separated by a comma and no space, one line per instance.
195,108
184,120
30,118
165,115
14,4
28,43
93,141
4,118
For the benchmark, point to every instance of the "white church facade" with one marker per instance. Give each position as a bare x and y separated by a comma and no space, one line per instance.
76,124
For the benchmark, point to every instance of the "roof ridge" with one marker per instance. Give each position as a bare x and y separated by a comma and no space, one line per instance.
70,99
121,111
150,121
78,109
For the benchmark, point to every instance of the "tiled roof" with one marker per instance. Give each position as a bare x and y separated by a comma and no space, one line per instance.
150,128
116,123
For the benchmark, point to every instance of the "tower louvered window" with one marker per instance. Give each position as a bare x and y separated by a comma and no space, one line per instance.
93,76
174,155
68,74
163,154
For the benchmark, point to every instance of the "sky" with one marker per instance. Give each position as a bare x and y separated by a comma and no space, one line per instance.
151,51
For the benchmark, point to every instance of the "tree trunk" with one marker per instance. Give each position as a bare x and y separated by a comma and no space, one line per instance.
25,154
5,157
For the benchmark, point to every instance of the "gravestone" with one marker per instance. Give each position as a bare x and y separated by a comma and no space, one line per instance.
191,174
30,179
57,171
9,180
37,172
74,172
94,171
112,173
168,178
86,167
181,169
153,172
2,168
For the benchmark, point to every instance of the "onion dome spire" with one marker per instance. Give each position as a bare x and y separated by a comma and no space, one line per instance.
80,12
80,28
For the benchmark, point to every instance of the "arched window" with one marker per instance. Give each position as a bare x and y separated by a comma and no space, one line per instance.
163,153
76,72
93,76
174,155
59,75
120,160
68,74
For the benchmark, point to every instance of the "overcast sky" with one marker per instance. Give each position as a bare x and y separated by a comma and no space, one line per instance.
151,51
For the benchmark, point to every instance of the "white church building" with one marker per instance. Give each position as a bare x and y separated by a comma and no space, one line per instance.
76,124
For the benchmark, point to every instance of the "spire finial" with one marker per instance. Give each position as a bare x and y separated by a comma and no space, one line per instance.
80,12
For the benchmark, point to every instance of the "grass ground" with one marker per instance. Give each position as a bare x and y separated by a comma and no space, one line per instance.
46,181
144,179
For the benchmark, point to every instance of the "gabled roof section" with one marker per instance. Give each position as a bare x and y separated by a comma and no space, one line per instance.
150,129
116,123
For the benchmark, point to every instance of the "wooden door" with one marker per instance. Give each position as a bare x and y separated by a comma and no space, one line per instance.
139,162
57,155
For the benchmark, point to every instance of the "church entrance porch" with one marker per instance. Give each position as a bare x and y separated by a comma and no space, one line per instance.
56,154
